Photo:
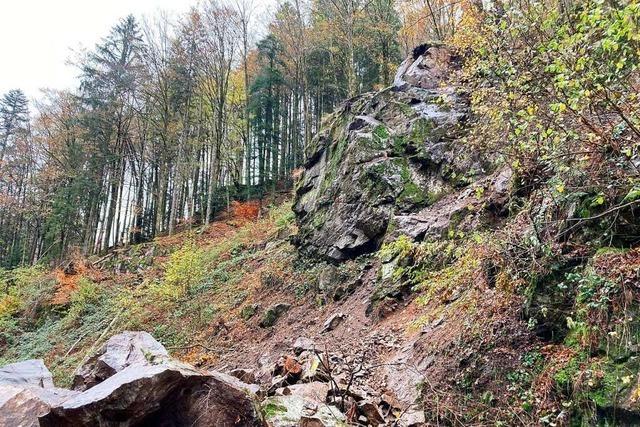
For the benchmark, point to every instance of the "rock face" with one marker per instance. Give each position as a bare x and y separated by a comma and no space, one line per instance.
381,155
120,351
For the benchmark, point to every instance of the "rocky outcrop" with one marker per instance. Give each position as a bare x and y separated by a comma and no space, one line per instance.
384,154
466,209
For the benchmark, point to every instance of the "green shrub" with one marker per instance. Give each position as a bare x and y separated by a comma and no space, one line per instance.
84,299
186,268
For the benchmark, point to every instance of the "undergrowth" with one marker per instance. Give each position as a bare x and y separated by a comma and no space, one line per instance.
196,283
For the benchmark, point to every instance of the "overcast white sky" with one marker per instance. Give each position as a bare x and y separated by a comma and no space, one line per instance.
37,37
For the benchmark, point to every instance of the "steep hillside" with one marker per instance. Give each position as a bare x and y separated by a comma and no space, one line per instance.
238,294
417,276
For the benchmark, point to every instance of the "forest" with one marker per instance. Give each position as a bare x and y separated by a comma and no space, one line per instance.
406,213
173,117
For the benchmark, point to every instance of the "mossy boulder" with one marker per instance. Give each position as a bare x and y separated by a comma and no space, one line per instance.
273,313
248,311
292,410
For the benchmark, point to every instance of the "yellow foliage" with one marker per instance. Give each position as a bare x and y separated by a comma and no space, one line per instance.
9,305
185,268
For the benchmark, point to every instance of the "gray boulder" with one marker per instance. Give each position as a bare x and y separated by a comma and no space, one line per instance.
171,393
315,391
120,351
304,344
27,392
28,372
249,388
292,410
333,322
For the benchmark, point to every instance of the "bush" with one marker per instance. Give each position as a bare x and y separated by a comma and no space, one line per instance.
22,288
555,97
185,269
83,299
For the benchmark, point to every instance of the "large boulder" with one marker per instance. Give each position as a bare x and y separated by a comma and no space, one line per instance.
381,155
120,351
170,393
27,392
130,381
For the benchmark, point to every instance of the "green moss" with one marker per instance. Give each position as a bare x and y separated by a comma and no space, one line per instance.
375,179
565,376
454,221
440,274
395,274
272,409
399,145
381,132
610,251
335,157
405,108
608,384
421,130
248,311
599,382
269,318
412,194
319,218
399,248
434,196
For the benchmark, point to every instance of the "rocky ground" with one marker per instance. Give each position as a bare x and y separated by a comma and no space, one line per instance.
133,380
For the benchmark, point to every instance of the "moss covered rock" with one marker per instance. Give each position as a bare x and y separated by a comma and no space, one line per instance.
382,154
273,313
